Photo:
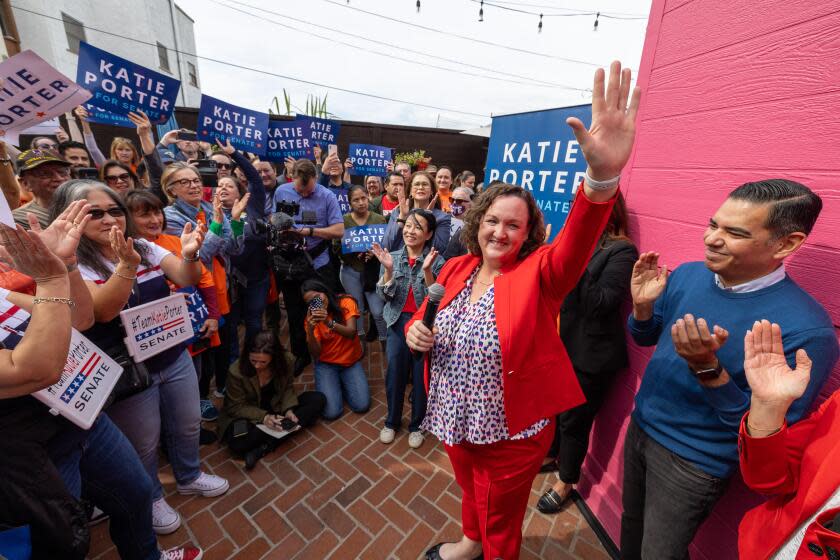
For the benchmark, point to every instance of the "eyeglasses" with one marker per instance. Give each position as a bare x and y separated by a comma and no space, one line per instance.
54,171
114,212
113,179
184,183
224,166
46,146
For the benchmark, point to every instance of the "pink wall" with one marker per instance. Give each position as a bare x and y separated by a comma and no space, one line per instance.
734,90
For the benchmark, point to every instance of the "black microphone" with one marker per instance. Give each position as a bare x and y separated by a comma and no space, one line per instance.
435,295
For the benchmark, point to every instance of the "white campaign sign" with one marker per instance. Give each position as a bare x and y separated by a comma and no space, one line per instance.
154,327
87,379
86,383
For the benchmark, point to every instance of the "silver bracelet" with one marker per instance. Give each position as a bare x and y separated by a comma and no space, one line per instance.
600,185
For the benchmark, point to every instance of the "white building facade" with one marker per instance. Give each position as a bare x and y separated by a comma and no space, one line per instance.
153,33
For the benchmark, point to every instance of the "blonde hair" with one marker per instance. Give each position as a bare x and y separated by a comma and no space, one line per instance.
121,142
167,174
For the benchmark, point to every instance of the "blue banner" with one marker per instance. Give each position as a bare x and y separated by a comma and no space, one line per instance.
370,160
321,131
198,310
343,199
245,129
360,239
120,87
288,139
538,151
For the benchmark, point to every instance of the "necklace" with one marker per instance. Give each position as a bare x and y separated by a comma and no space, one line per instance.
485,283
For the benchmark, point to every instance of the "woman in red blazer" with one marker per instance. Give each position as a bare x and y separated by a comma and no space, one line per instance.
497,373
799,464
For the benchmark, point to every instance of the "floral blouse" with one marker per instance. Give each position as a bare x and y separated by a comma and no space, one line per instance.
466,398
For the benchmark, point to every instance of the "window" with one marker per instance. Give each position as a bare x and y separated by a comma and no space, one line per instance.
192,74
75,31
163,55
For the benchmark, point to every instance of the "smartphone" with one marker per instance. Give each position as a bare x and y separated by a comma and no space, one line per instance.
316,303
185,134
332,149
86,173
287,424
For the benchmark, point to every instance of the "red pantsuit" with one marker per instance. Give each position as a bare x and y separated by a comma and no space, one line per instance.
495,482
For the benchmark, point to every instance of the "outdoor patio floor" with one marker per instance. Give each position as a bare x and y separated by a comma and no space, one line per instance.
336,492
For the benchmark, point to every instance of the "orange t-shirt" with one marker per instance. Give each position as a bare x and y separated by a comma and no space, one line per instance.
445,200
219,274
337,349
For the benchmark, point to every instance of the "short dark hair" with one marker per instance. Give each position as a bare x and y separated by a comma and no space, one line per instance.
305,170
431,221
474,216
69,144
793,206
393,174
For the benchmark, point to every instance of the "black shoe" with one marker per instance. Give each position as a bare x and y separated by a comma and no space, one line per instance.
552,502
300,364
206,437
434,553
550,467
255,455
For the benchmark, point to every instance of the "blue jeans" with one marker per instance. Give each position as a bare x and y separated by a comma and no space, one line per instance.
352,281
173,401
340,383
103,462
401,364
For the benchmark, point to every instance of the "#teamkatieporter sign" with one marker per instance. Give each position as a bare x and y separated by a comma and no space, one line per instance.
120,87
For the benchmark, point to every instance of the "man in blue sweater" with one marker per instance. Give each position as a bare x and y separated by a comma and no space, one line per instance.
681,445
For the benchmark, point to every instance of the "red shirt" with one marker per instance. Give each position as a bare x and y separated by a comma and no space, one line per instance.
387,205
410,305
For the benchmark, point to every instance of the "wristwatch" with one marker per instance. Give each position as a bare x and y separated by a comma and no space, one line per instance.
311,231
708,374
194,259
331,325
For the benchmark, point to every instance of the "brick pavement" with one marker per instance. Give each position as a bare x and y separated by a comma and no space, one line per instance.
335,492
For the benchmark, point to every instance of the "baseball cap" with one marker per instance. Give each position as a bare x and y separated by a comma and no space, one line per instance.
30,159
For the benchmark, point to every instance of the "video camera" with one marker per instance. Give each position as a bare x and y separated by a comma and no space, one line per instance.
281,237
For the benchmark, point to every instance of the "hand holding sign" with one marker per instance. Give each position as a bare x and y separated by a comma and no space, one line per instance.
608,142
209,327
226,148
64,233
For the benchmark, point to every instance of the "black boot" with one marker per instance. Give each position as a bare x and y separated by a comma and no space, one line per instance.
255,455
300,364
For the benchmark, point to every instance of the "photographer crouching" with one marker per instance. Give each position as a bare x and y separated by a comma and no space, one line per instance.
299,246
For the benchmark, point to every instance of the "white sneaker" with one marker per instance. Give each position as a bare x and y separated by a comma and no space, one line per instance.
415,439
165,520
387,435
207,485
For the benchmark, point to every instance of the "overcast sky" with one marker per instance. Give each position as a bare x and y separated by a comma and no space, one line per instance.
246,32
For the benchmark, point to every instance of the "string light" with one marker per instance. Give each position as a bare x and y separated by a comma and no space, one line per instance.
481,12
596,20
539,27
418,6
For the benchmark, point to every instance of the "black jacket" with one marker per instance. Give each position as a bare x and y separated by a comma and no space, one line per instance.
591,325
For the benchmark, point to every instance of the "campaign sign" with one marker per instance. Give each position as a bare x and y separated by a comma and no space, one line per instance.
343,199
288,139
32,91
321,131
87,379
245,129
197,309
156,326
86,382
360,239
120,87
538,151
370,160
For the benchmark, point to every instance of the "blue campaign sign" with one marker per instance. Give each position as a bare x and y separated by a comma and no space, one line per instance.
538,151
343,199
198,310
245,129
289,139
120,87
370,160
360,239
321,131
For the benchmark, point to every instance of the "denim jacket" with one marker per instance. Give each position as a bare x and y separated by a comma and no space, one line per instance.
224,246
395,292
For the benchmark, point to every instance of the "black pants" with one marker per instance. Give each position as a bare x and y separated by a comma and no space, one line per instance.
571,438
665,499
215,361
296,309
310,405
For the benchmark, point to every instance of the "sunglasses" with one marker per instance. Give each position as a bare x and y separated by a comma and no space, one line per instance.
460,201
112,179
46,146
98,214
224,166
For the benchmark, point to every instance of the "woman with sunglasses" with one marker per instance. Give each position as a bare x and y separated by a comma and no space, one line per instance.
422,193
118,176
124,272
406,275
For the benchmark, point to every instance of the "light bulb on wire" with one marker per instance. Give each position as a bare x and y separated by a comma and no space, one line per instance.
418,6
596,20
481,12
539,27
